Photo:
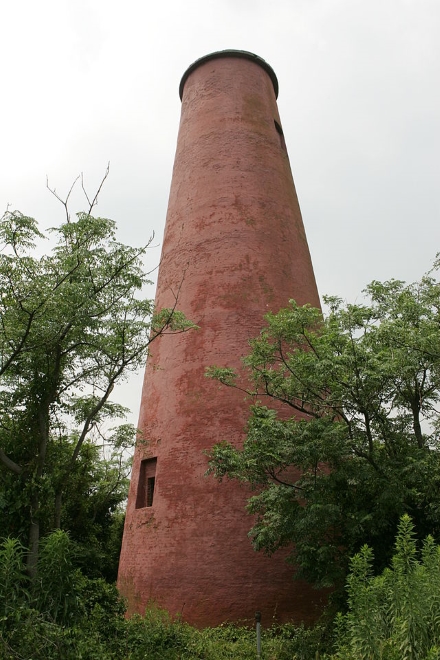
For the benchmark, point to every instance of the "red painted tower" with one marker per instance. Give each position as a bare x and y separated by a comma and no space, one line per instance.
234,248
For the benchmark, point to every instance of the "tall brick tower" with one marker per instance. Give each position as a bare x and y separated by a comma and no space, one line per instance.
234,248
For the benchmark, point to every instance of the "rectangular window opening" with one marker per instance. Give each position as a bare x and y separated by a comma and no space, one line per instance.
146,484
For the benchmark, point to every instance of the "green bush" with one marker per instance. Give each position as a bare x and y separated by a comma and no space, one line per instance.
55,587
396,615
64,615
13,580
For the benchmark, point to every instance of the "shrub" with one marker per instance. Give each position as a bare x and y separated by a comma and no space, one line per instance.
396,615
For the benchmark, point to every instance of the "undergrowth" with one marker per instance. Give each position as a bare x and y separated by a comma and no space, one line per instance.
62,615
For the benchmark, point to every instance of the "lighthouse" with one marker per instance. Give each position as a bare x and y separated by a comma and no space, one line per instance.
234,249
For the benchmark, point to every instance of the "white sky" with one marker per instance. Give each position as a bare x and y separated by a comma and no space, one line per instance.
84,82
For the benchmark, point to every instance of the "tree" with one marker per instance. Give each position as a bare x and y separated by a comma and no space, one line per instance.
94,499
73,324
348,441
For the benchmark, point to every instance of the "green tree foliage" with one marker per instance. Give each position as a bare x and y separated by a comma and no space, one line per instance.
60,613
73,324
93,506
395,615
348,440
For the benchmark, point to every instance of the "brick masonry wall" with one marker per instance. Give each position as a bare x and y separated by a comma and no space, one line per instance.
234,248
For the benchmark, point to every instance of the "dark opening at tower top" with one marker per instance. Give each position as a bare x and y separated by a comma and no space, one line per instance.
244,54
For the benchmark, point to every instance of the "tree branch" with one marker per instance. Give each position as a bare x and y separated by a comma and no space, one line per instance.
9,463
94,201
64,202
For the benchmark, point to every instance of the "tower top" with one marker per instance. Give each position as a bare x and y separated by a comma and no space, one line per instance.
244,54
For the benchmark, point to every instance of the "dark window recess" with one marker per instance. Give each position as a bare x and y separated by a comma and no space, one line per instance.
150,490
147,480
281,134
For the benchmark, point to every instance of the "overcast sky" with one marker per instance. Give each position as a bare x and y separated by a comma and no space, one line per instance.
84,82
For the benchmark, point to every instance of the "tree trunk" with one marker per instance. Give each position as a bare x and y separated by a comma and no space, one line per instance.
34,538
57,516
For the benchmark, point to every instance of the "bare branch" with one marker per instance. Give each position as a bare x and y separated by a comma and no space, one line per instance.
92,203
64,202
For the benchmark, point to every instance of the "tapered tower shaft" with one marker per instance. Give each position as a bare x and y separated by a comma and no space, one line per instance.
234,248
